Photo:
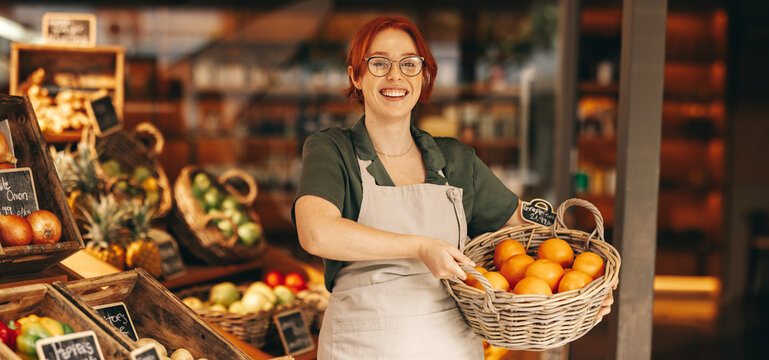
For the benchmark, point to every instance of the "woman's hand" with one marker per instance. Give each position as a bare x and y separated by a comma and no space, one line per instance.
441,258
606,305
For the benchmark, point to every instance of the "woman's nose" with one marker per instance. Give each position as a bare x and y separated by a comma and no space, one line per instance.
395,72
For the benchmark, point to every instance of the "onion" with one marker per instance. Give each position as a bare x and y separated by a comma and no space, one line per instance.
15,230
5,152
46,227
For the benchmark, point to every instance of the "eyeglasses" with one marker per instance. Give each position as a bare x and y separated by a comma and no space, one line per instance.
380,66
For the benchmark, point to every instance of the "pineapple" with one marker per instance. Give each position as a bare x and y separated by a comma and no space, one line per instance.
104,221
142,251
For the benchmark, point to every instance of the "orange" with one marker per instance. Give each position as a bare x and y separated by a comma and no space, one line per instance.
566,270
471,280
590,263
514,268
546,270
496,279
575,279
532,286
506,249
556,250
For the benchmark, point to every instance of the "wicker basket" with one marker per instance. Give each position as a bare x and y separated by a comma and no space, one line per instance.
194,228
535,322
257,328
129,151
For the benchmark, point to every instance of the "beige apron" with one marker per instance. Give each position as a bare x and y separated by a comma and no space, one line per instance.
396,309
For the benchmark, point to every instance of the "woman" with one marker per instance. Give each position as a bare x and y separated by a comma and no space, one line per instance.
388,207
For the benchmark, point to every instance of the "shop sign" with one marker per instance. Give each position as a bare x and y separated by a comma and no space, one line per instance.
17,192
538,211
117,315
78,346
148,352
69,29
170,260
102,112
294,333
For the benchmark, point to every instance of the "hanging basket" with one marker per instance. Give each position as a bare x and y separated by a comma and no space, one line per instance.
129,151
535,322
195,228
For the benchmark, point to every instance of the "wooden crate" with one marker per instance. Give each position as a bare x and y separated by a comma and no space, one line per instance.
44,300
155,311
32,151
107,62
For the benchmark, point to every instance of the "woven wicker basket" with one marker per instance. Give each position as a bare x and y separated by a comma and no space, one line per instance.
126,148
535,322
256,329
196,232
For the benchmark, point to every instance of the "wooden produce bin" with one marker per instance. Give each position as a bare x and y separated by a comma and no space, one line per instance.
44,300
155,312
31,151
86,69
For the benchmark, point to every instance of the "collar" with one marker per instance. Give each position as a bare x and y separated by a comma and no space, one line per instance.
431,154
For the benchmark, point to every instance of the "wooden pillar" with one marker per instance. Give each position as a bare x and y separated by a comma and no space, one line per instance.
638,159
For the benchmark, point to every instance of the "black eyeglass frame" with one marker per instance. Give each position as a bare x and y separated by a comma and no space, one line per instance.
368,66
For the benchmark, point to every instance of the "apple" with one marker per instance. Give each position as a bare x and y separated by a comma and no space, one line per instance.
273,278
285,295
295,281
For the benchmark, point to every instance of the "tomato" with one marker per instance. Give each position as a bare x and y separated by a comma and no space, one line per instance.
273,278
295,281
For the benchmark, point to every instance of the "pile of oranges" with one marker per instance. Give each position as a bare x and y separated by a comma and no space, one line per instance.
555,269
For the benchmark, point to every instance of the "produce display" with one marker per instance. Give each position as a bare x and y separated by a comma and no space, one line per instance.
178,354
555,270
39,227
7,160
65,111
230,217
21,335
257,297
138,183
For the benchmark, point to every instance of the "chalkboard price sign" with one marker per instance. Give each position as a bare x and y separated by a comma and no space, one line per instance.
69,29
148,352
102,113
538,211
170,260
294,333
78,346
17,192
117,315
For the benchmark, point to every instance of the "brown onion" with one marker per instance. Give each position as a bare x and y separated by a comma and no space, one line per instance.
15,230
46,227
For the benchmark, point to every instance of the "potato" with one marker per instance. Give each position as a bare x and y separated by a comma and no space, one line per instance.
182,354
147,341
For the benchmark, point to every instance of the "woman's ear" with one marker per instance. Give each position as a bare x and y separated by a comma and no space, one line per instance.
354,81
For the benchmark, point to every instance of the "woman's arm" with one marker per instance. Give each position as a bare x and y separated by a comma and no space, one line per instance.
324,232
516,219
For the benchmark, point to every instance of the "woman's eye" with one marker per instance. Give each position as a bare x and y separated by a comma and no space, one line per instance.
380,63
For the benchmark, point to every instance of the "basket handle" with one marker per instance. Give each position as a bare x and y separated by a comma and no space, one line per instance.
159,143
559,224
214,215
489,297
253,189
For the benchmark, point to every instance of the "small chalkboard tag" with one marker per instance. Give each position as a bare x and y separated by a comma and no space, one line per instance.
117,315
69,29
78,346
5,129
538,211
294,333
148,352
102,112
17,192
170,260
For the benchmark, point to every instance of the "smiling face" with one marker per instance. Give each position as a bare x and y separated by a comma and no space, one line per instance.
389,97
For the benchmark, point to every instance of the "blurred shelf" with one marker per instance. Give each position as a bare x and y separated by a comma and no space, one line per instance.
66,136
594,88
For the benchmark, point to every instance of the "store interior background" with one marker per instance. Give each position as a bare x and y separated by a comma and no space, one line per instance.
241,84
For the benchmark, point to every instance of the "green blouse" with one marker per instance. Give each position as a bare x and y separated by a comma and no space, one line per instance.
330,171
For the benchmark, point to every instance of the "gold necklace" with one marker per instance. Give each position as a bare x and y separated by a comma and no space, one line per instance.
396,155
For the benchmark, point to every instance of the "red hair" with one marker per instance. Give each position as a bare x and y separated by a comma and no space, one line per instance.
362,41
